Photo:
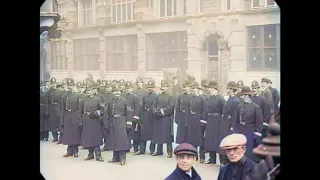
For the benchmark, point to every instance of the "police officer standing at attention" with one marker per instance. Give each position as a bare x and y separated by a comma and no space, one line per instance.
275,98
163,125
265,91
181,116
62,113
147,119
216,103
106,96
134,104
228,119
116,122
264,105
44,134
140,91
249,121
71,121
197,120
234,146
51,110
92,124
185,154
239,87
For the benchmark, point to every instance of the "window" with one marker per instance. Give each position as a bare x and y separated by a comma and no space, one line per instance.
58,55
200,6
122,53
86,54
255,4
228,4
166,50
87,12
264,47
122,10
168,8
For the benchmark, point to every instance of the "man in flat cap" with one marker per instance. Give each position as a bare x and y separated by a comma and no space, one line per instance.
275,97
234,146
185,154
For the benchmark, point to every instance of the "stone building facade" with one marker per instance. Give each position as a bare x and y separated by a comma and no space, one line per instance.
222,39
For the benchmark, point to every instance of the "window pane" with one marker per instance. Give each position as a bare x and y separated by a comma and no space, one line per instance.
110,61
201,5
172,41
150,57
129,12
213,47
114,14
254,37
172,60
255,3
255,58
109,45
270,36
184,7
169,7
118,46
175,7
162,8
118,13
270,58
124,12
183,38
127,61
160,60
182,59
119,62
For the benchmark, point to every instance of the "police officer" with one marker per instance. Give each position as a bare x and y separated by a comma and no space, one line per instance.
148,118
44,134
140,91
176,88
92,123
234,146
53,109
64,89
249,121
216,103
116,120
275,97
204,88
163,125
71,123
81,87
106,96
181,113
197,119
134,104
239,87
264,105
265,91
228,120
186,154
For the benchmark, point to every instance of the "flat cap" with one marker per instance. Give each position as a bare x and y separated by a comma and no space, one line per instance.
232,141
185,148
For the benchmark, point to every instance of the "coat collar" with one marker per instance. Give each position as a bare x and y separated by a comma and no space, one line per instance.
183,174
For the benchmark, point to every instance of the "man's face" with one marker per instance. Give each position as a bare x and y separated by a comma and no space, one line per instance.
164,88
254,90
79,90
140,84
150,89
239,89
70,88
53,86
264,85
236,153
122,87
116,93
108,89
185,161
213,90
47,84
95,91
175,81
230,91
129,90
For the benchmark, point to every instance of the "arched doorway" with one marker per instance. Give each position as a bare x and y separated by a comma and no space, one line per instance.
211,50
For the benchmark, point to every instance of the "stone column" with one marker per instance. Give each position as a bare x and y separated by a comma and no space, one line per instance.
70,55
94,11
194,51
141,51
102,49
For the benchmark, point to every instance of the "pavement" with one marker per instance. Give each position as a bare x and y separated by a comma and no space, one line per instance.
144,167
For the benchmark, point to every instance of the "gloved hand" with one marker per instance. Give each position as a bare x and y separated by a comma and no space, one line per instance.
257,139
231,130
